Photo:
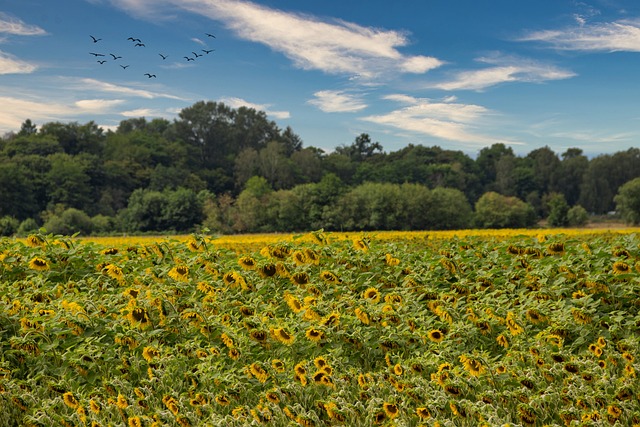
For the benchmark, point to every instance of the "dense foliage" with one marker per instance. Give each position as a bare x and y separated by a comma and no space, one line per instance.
322,330
202,168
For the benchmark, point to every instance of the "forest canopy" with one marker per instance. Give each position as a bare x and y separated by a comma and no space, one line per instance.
234,170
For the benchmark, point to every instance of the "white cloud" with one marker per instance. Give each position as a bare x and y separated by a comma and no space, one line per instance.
101,86
444,120
504,69
336,101
239,102
97,105
141,112
11,25
331,46
11,65
623,35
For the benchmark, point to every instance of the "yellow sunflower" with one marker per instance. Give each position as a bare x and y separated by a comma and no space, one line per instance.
69,399
371,295
391,410
247,263
329,277
39,264
314,334
620,267
282,335
435,335
179,273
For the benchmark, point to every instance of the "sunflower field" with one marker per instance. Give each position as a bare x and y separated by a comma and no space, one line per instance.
404,329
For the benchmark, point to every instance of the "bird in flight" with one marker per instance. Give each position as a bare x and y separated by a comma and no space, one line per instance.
149,75
188,59
95,40
96,54
124,67
139,44
134,40
196,55
207,51
163,56
115,57
101,62
210,35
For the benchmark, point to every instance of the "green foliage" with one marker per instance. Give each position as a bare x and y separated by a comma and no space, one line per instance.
8,225
494,210
628,201
558,210
27,226
178,210
577,216
68,222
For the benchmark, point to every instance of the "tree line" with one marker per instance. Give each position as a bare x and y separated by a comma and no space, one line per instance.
234,170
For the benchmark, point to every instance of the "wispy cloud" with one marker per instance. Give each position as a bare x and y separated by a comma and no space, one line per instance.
15,26
106,87
623,35
12,65
331,46
595,136
142,112
504,69
97,105
239,102
445,120
337,101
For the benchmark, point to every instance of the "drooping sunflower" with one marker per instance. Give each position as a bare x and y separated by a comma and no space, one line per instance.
423,413
121,402
114,272
312,257
299,257
314,334
391,410
294,304
513,326
555,248
361,244
282,335
267,270
259,372
620,267
139,317
436,335
258,335
391,260
272,397
134,422
247,263
234,353
362,316
179,273
300,278
222,400
331,319
278,365
149,353
39,264
472,365
329,277
69,399
502,341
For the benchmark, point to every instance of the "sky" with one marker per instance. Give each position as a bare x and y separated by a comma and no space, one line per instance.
458,74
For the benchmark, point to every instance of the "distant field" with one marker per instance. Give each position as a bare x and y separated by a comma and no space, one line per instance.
460,328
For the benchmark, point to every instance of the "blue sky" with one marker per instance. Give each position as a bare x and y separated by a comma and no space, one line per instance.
459,74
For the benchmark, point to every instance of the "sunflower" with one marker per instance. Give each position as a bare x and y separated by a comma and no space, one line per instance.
331,320
258,335
391,260
435,335
329,277
312,256
362,316
69,399
473,366
614,411
150,353
391,410
222,400
423,413
502,341
114,272
556,248
278,365
139,317
299,257
314,334
226,340
121,402
283,336
272,397
135,422
267,270
513,326
259,372
300,278
179,273
371,295
397,369
247,263
361,244
300,369
620,267
39,264
234,353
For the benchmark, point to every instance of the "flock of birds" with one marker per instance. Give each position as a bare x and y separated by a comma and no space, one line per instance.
138,43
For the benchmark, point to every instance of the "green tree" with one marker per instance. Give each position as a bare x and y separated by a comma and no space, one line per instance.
68,221
69,182
577,216
628,201
558,210
493,210
250,210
